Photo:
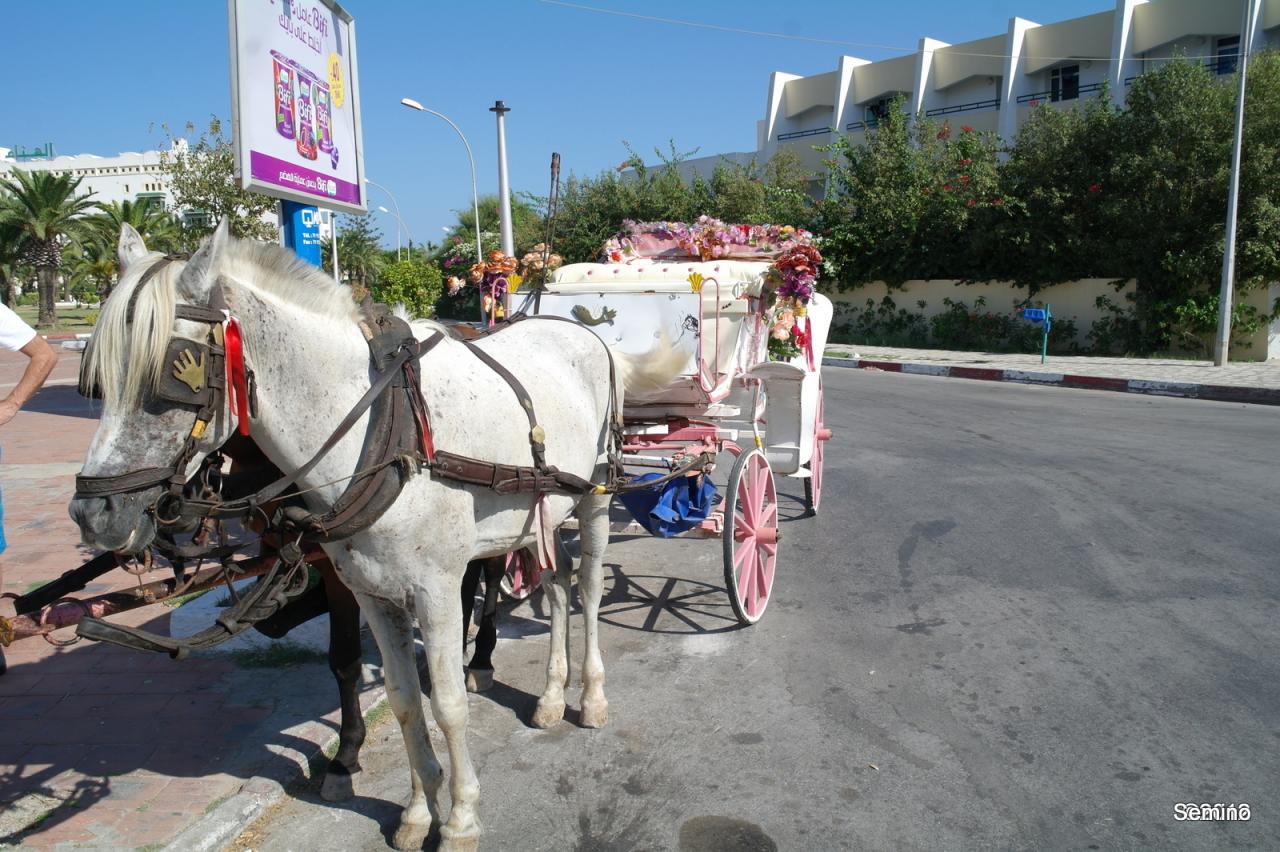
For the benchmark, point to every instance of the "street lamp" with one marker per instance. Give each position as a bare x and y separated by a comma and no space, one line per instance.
475,200
401,224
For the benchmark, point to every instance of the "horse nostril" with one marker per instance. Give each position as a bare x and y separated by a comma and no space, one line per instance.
88,512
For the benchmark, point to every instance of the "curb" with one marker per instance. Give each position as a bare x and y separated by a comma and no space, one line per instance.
228,819
1189,390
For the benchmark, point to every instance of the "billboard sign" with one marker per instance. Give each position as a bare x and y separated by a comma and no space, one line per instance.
295,102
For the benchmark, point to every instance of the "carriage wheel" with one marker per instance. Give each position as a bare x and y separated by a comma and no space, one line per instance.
521,578
813,483
750,535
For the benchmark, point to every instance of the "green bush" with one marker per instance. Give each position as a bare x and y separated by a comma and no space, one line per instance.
973,329
28,299
412,283
880,324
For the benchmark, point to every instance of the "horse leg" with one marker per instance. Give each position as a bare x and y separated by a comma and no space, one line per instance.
556,586
345,662
441,621
392,627
480,669
593,522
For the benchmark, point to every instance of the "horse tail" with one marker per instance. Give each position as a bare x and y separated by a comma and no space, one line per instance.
647,376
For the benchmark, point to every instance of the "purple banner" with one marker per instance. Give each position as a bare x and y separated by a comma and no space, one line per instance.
288,176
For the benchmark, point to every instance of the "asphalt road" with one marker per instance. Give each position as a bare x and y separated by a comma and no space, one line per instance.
1028,618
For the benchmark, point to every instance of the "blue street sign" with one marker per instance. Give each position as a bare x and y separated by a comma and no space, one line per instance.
1041,315
302,230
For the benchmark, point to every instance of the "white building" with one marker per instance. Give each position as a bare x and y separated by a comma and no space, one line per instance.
993,83
130,176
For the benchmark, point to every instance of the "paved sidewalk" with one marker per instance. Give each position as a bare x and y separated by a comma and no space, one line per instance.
106,748
1256,382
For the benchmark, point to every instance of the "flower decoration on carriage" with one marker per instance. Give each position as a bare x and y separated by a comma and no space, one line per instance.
791,279
538,263
494,278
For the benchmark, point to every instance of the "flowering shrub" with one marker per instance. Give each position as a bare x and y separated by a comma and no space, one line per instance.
960,327
964,328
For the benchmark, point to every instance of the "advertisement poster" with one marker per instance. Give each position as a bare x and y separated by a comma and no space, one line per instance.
295,101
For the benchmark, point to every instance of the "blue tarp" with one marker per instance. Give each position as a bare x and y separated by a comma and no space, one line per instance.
670,509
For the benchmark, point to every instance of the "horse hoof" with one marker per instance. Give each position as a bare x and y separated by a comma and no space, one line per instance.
547,714
337,787
479,680
595,714
453,841
410,836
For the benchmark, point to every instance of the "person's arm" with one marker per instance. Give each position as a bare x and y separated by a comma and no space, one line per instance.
38,368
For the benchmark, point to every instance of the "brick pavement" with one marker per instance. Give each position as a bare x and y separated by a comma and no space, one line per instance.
101,747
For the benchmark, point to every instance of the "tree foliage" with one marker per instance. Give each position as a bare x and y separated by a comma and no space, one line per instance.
360,254
202,177
904,204
1085,191
593,209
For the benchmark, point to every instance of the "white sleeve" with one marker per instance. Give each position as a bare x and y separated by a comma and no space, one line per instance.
14,333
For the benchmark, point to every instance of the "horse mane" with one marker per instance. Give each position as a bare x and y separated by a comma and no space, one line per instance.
124,359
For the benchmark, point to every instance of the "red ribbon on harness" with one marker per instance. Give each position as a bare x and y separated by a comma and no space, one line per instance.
237,380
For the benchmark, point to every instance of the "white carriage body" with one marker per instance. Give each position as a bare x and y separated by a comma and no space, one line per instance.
634,305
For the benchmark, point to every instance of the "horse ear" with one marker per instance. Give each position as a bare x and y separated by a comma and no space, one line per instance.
197,279
130,248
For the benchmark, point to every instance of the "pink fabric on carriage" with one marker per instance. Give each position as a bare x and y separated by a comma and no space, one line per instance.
650,245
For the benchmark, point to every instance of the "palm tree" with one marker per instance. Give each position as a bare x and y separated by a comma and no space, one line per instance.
159,229
45,209
10,258
92,261
359,253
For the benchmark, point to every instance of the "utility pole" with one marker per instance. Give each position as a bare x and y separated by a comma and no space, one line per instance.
1222,343
504,192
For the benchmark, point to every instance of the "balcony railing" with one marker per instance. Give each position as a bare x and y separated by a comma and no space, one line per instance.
800,134
1036,98
1220,66
993,103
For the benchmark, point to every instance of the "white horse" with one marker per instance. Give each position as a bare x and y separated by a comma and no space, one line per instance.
311,365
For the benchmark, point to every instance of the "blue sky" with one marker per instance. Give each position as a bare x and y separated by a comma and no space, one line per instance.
100,77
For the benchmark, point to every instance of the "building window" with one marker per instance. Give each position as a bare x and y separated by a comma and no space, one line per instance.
1064,83
1226,55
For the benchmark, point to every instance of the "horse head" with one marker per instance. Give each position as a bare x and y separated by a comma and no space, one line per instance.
155,361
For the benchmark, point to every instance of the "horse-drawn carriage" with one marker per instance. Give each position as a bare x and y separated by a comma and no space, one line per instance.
729,397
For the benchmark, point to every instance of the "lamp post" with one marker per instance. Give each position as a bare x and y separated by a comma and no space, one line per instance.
400,221
475,199
399,225
504,193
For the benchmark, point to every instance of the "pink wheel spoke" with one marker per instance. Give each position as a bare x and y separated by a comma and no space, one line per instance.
758,484
746,502
746,574
769,549
769,516
740,554
748,587
763,577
